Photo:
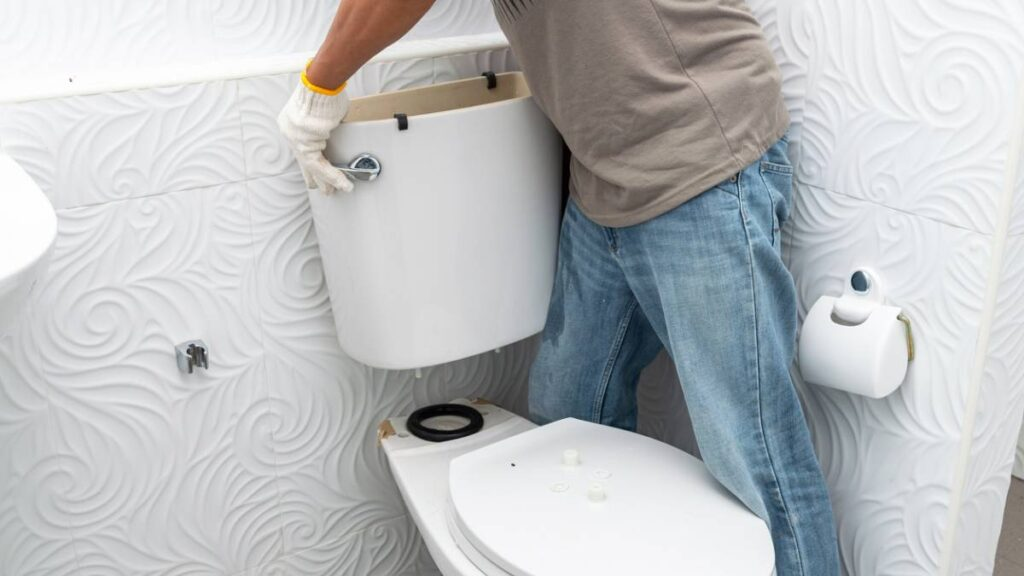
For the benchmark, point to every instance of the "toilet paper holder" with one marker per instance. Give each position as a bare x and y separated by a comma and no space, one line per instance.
857,342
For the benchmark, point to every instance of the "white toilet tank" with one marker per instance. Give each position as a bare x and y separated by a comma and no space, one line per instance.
451,251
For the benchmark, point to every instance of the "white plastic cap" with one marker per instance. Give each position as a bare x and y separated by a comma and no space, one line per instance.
571,457
596,493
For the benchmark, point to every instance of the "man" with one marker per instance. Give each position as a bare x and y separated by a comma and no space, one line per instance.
679,184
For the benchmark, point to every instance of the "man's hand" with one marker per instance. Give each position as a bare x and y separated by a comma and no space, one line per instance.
360,30
306,122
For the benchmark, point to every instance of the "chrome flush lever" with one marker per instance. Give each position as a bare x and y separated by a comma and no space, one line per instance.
365,168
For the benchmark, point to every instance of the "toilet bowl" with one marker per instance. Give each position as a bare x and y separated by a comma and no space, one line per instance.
571,497
28,231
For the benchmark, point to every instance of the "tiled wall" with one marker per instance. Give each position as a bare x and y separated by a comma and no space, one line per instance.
182,215
906,115
69,37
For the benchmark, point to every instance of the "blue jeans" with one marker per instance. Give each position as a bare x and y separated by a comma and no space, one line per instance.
706,281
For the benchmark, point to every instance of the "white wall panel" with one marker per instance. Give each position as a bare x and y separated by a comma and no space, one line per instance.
998,418
140,444
87,150
904,142
35,537
1018,465
890,463
70,37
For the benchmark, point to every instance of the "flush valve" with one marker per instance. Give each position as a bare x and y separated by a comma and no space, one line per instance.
191,355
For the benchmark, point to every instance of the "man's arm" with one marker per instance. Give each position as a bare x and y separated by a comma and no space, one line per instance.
361,29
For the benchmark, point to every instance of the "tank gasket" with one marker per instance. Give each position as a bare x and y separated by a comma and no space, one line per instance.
416,426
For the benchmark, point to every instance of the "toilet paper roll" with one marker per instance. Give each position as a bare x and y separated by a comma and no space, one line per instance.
867,358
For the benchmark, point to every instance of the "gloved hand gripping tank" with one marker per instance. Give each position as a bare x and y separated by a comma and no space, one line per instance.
451,250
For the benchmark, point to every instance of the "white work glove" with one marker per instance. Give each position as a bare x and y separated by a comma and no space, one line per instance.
306,122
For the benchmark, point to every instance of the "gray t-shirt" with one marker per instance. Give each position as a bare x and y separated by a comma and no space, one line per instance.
658,100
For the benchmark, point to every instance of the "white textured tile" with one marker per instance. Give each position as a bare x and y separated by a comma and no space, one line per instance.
472,64
260,101
35,536
86,150
244,28
73,38
165,472
890,463
69,37
391,547
907,104
997,425
1018,464
455,18
380,77
1017,214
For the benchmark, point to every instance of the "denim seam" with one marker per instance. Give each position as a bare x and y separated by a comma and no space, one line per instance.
757,378
613,357
769,166
776,224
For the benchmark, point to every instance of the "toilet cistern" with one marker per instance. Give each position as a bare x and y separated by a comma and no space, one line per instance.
450,252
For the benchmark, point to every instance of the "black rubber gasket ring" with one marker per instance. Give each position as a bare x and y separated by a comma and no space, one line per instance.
416,427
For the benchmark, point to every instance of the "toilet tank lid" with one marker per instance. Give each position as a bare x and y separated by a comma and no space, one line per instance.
28,224
574,497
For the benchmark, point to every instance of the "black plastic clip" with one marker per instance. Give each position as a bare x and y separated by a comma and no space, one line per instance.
492,80
403,121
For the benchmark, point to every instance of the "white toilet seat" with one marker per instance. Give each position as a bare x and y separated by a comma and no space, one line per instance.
663,512
616,503
466,547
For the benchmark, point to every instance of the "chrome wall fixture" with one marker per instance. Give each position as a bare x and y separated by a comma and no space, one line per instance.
191,355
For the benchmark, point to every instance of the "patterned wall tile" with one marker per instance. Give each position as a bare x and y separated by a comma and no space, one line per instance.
1018,464
456,18
260,100
74,38
35,537
897,519
998,420
390,547
1017,217
88,150
163,472
70,38
459,66
915,118
242,28
380,77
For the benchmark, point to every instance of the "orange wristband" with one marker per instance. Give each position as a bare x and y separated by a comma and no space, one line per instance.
318,89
